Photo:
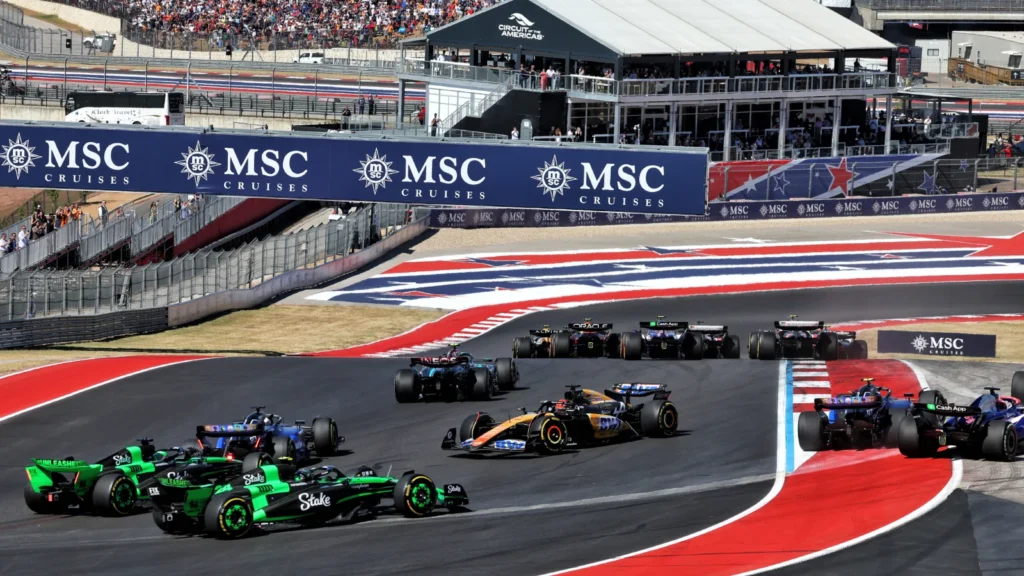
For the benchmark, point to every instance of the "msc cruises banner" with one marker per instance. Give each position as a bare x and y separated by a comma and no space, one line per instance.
305,167
731,211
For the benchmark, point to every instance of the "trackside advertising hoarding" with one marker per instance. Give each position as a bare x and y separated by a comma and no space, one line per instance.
732,211
936,343
340,167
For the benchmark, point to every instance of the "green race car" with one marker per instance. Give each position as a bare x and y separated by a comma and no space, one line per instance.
277,493
117,484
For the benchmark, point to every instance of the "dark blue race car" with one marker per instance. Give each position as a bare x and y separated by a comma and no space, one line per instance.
587,339
454,377
990,426
261,432
865,418
671,340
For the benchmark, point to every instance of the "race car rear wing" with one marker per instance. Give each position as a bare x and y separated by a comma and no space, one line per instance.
228,430
664,325
798,324
628,389
848,403
438,361
948,409
590,326
707,328
541,332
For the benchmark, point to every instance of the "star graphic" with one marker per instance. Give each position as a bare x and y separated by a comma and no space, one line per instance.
890,184
670,251
986,246
928,186
780,183
841,177
749,185
963,165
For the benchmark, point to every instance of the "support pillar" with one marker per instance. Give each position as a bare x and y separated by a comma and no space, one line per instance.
837,112
727,136
401,103
783,126
672,123
568,117
616,131
888,124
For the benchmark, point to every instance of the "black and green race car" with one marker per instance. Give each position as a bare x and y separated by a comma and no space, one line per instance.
117,484
278,493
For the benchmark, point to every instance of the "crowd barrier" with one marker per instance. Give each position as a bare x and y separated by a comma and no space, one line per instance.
734,211
65,330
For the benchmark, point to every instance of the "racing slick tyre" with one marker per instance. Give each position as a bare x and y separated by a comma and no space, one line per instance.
37,502
522,348
1017,385
693,347
415,495
764,346
810,431
475,425
828,347
482,384
912,444
550,434
228,516
892,434
659,419
505,373
1001,441
407,386
325,436
114,495
254,460
859,350
731,347
612,346
561,345
632,346
931,397
752,345
283,448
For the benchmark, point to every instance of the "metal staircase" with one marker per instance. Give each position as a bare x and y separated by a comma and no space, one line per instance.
475,107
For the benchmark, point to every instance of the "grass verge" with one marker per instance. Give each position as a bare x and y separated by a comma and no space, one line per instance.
1009,340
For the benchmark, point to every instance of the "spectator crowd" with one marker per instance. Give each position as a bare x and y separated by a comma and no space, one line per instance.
41,225
289,23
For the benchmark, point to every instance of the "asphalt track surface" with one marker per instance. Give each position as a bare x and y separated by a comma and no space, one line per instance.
530,515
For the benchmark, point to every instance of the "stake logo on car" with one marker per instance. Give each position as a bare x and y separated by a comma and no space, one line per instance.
308,501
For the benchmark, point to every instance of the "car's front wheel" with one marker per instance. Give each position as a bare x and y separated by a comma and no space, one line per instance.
228,516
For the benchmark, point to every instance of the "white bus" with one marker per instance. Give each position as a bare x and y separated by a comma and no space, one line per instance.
152,108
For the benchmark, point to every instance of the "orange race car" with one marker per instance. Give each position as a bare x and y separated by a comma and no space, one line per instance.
582,417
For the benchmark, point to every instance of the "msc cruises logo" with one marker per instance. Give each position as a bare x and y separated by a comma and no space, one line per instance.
920,343
375,171
18,156
554,178
197,164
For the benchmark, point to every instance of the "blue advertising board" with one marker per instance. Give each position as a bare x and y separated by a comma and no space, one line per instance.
343,167
732,211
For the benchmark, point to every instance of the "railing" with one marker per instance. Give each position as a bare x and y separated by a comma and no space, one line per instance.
40,293
473,107
944,5
476,135
41,249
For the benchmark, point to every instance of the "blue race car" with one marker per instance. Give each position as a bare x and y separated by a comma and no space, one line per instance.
587,339
868,417
267,433
454,377
672,340
990,426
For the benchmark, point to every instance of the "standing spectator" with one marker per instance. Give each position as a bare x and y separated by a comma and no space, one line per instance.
433,125
515,133
4,243
361,105
152,213
49,226
371,104
104,213
422,115
22,237
177,204
76,212
346,114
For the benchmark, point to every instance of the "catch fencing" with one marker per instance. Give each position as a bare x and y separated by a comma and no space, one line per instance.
41,293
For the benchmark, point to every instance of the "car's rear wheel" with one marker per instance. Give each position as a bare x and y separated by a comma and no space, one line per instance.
561,345
550,432
1000,442
860,348
505,373
481,384
114,495
828,347
228,516
415,495
325,436
810,431
283,448
731,347
632,346
522,348
1017,385
892,433
37,502
475,425
254,460
693,346
659,418
767,343
407,386
912,444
